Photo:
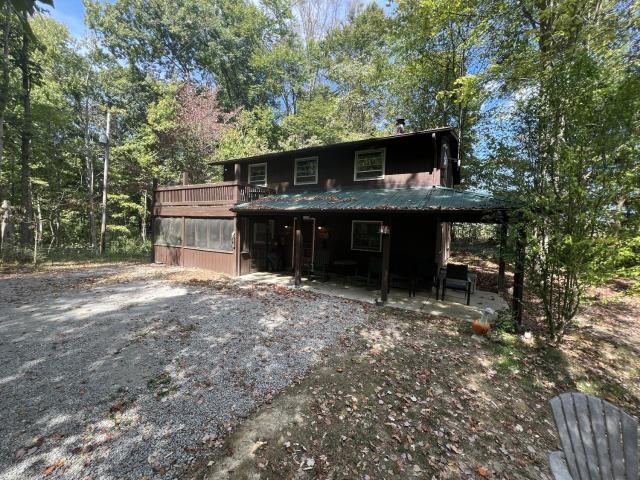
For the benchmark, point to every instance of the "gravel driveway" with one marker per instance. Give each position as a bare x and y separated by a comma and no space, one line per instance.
131,371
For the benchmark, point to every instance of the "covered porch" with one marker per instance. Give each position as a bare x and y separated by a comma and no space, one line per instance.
384,244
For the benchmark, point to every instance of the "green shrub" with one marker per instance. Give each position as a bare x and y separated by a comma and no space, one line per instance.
129,247
505,322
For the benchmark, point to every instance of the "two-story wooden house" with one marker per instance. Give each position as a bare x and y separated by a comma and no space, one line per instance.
378,207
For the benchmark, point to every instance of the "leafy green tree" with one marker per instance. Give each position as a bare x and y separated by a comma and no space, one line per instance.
437,79
194,40
256,131
318,121
356,59
571,80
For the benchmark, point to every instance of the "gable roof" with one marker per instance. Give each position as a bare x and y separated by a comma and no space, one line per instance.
350,143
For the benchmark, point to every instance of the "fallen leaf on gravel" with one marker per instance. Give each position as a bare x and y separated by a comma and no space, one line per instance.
53,467
21,452
483,472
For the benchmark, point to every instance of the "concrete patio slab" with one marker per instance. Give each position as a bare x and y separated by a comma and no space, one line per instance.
454,306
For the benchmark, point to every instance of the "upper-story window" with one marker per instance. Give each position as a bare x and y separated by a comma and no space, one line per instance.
369,164
306,171
258,174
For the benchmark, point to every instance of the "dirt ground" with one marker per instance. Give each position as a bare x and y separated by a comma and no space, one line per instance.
385,394
413,397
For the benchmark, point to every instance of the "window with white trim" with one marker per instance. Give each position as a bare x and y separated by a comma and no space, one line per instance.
305,171
369,164
258,174
366,235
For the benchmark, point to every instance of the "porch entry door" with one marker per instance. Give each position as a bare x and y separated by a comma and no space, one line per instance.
259,242
308,241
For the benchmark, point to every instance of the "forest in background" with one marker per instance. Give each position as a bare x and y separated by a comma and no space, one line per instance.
544,94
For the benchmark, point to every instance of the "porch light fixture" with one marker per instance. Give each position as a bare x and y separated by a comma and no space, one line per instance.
385,229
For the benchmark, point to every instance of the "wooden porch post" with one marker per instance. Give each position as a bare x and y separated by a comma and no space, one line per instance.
154,185
386,255
237,172
501,262
297,261
518,278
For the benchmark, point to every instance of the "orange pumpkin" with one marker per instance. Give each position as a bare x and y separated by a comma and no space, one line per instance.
480,327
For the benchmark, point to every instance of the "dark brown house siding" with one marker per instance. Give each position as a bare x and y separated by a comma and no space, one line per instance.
167,255
223,262
412,160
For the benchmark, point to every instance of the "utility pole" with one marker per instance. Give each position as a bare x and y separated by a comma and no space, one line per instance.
105,139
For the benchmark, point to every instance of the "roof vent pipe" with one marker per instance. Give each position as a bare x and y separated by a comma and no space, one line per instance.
399,126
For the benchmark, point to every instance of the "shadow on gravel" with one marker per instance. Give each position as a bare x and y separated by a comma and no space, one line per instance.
133,379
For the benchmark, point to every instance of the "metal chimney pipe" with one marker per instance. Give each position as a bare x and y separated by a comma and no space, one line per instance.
400,123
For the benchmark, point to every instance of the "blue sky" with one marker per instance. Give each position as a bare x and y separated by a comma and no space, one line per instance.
71,13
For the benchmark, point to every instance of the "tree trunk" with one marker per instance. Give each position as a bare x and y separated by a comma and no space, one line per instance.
37,230
4,86
89,176
144,217
154,186
25,146
53,235
105,186
6,225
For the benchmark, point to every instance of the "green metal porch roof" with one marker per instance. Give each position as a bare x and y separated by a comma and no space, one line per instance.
386,199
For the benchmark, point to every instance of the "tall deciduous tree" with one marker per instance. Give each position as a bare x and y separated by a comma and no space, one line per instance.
570,76
437,79
4,80
357,60
25,143
191,40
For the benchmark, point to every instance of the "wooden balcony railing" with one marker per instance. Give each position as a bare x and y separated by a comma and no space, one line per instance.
215,194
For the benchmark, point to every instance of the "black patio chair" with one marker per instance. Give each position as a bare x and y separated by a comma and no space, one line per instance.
457,278
374,272
403,276
321,265
274,261
425,274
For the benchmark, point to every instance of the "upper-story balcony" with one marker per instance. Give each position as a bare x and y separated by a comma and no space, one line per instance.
207,200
